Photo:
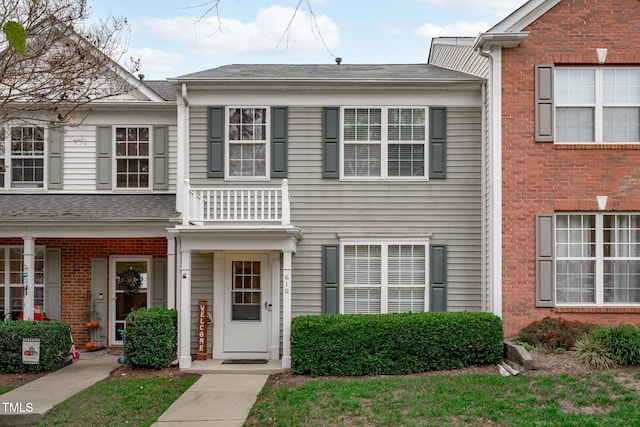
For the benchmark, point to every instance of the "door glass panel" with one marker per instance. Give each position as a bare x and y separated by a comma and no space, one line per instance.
127,302
246,292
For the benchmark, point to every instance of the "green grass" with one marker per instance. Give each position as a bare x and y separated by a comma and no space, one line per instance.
118,402
474,400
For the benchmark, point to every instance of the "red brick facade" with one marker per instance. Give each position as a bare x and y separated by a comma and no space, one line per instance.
76,272
546,178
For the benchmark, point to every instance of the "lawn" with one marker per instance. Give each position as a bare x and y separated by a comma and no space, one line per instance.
118,402
610,399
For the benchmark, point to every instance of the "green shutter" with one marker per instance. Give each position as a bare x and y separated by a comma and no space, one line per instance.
215,142
544,103
52,283
160,158
330,279
279,144
438,278
99,298
56,166
545,274
437,143
331,142
159,289
103,158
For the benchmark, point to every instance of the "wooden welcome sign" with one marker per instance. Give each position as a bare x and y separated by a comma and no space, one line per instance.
202,330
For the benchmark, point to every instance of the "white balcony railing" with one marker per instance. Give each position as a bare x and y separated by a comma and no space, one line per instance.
263,205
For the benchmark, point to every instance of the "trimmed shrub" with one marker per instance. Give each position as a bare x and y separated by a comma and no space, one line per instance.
552,333
151,340
594,352
623,342
55,345
392,344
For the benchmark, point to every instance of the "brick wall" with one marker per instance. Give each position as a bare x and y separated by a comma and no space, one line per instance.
76,273
544,178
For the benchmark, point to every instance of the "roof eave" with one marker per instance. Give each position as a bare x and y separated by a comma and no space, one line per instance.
488,41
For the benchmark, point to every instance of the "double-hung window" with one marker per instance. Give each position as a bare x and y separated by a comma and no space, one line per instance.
384,142
12,281
384,276
132,157
247,130
22,151
597,105
598,259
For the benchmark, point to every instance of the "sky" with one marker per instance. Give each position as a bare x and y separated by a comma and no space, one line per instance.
177,37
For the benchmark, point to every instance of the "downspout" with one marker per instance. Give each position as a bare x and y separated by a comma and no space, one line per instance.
495,179
182,156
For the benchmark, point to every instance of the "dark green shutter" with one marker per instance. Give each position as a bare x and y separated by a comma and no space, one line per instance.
331,142
438,278
330,279
437,143
279,144
160,158
544,103
99,298
215,142
545,274
53,282
103,158
159,283
56,166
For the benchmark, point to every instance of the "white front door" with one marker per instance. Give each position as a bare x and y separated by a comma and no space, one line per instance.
247,303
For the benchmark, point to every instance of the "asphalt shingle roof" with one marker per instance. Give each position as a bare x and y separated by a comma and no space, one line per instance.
163,88
100,207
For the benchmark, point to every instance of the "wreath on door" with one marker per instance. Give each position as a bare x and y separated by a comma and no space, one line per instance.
130,281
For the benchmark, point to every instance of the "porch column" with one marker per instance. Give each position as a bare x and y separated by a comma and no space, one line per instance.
171,272
27,277
286,310
184,313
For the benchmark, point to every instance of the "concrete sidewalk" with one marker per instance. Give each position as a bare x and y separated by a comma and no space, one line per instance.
27,405
215,400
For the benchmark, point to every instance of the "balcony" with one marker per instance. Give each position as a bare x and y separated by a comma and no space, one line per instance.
237,205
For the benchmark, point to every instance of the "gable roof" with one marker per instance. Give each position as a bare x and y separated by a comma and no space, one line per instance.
363,73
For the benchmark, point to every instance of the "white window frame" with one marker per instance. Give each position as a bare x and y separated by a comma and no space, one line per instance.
384,144
267,143
599,259
7,157
5,277
598,105
115,158
384,242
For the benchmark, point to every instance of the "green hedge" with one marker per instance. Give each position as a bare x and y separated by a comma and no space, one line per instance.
150,340
55,345
392,344
622,342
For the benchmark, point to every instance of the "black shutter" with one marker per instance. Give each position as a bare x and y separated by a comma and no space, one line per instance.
215,142
438,278
330,279
331,142
279,143
437,143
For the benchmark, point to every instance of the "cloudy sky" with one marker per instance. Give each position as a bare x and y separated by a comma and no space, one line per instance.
176,37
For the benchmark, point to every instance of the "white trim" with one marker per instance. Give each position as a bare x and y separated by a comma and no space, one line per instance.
149,157
184,311
524,16
8,157
266,141
286,309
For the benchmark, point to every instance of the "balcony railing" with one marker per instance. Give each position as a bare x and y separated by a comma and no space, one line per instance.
214,205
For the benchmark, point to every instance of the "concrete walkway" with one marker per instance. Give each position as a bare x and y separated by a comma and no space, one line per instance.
27,405
215,400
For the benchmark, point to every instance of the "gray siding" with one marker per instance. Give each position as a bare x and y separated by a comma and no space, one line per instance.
201,289
449,209
459,57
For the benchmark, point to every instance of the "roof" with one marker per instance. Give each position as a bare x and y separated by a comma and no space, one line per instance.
99,207
163,88
328,73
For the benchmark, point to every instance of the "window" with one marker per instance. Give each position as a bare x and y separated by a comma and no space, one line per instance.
11,281
600,105
132,157
247,142
383,277
598,259
384,142
22,151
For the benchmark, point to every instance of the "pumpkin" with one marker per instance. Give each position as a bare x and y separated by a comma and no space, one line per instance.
94,323
88,324
88,345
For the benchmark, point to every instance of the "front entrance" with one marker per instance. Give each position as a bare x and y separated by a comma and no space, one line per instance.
129,291
247,304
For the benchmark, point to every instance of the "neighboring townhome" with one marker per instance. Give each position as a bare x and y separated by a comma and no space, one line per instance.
86,205
313,189
563,115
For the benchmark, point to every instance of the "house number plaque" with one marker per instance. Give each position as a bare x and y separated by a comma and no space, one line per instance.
202,330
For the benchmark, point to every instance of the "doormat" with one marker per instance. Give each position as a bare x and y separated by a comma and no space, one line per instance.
245,362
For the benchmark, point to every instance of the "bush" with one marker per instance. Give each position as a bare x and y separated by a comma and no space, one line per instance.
150,340
594,352
623,342
55,345
552,333
391,344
